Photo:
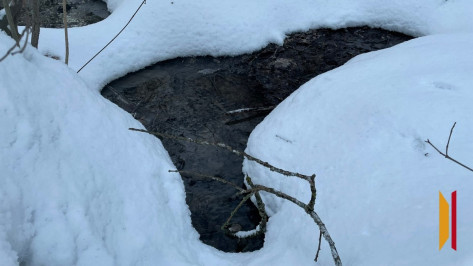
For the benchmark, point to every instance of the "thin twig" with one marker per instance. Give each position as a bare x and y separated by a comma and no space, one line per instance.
24,44
225,146
221,180
225,225
313,193
9,52
449,137
318,249
260,205
313,214
142,3
446,150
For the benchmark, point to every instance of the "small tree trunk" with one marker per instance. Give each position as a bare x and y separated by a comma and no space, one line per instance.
36,24
64,11
13,30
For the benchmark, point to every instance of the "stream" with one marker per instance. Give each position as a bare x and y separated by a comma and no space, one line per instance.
191,96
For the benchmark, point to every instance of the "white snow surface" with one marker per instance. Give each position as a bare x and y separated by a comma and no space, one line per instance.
168,29
361,128
78,188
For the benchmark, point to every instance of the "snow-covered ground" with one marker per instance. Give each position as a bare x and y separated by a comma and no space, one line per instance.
78,188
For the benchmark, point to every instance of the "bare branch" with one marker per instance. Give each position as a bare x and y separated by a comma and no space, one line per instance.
142,3
313,193
24,44
221,180
66,37
260,205
318,249
449,137
446,150
225,146
10,51
225,225
312,214
255,189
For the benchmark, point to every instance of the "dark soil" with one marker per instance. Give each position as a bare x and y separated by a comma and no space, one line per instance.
79,13
190,96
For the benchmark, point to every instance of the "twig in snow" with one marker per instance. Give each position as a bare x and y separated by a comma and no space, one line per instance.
142,3
229,148
21,49
318,249
446,149
256,189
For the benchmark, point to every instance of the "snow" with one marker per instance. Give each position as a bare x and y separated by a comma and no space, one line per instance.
78,188
168,29
361,128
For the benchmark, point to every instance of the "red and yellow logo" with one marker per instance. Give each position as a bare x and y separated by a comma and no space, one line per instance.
444,226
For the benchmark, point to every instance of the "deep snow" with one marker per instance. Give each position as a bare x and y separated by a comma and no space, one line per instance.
77,188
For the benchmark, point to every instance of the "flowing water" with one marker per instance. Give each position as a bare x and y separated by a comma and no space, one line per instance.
191,97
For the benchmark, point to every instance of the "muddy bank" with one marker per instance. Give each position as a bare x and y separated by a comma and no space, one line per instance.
190,96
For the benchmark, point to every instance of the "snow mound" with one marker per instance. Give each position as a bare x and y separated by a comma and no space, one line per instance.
361,128
168,29
77,187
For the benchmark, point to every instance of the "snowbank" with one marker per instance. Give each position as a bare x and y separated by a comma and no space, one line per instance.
169,29
361,128
79,189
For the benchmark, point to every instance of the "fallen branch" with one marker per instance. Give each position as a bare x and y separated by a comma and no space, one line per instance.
256,189
318,249
21,49
446,149
313,214
225,146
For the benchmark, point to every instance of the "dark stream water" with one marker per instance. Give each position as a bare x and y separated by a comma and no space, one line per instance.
190,97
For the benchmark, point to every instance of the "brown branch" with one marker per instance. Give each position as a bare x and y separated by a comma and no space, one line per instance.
11,22
10,51
313,214
255,189
449,137
221,180
318,249
260,205
225,146
446,150
225,225
66,37
313,193
24,44
142,3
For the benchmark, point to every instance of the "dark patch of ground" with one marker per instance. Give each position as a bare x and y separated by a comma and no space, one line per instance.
190,96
